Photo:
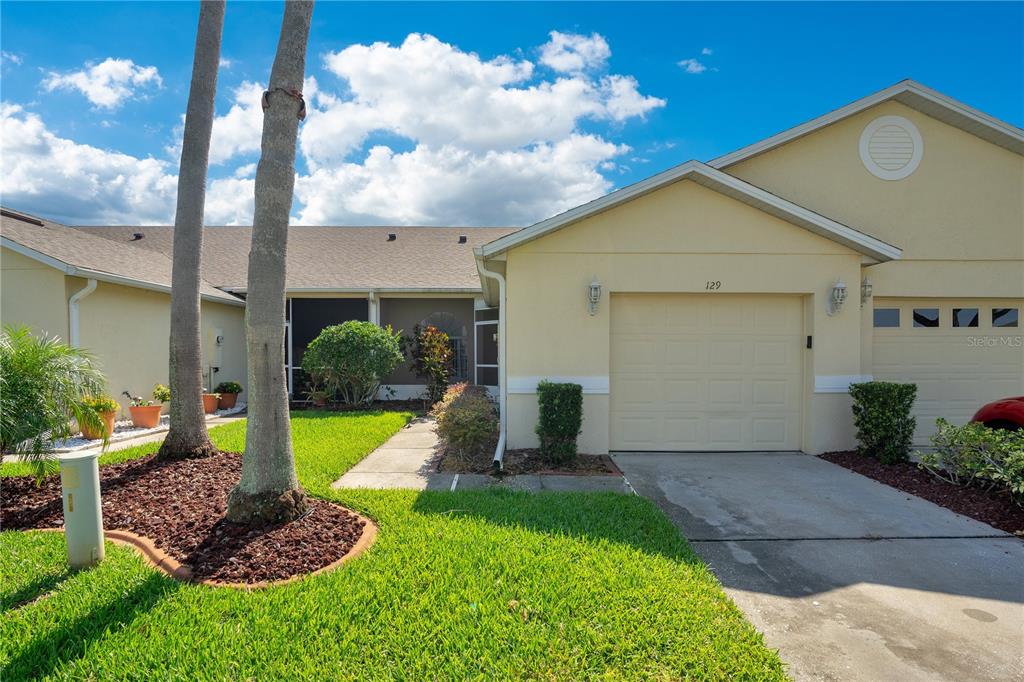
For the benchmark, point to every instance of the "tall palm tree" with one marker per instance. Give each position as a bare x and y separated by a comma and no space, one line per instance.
187,436
269,489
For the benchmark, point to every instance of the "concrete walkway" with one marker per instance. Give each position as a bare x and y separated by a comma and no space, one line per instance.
409,460
850,579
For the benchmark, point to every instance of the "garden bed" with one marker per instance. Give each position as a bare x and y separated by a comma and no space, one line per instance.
995,509
529,461
180,505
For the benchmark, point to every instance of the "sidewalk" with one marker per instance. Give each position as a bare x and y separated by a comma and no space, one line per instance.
409,460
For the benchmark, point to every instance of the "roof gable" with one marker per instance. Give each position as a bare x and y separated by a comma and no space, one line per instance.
718,181
909,93
85,255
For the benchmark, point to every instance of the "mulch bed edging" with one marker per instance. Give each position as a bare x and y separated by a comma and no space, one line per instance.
995,509
176,512
158,559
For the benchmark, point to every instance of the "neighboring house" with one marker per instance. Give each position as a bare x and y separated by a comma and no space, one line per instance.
111,299
720,306
715,328
397,276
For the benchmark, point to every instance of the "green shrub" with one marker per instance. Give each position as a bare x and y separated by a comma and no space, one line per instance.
466,420
349,360
431,353
161,393
881,413
42,384
223,387
974,454
559,421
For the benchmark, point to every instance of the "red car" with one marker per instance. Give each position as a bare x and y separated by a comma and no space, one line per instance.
1007,413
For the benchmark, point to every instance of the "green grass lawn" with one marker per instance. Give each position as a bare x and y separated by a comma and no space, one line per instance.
465,585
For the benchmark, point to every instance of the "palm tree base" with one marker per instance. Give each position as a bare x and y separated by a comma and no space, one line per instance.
177,448
268,507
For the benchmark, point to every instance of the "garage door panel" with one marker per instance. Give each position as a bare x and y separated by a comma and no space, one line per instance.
956,372
728,373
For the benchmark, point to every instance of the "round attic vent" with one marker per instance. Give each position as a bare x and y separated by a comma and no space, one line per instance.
891,147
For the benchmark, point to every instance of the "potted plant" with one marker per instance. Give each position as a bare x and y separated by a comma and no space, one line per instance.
319,397
229,391
146,413
210,401
105,408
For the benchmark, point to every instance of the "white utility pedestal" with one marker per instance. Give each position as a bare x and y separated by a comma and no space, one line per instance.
83,515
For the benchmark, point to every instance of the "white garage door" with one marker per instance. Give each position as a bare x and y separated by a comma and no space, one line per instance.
705,372
960,353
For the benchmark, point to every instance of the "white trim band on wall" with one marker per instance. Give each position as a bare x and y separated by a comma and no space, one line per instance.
838,383
591,385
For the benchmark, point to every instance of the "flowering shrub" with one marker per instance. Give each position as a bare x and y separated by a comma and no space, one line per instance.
431,354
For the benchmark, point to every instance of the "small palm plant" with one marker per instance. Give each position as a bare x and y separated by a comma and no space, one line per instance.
44,384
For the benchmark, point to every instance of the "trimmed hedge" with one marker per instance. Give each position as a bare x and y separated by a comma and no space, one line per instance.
467,420
560,420
881,413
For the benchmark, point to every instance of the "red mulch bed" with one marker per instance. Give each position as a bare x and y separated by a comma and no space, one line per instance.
180,506
529,461
995,509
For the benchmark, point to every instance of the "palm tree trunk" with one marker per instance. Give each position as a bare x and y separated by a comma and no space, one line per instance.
187,436
269,489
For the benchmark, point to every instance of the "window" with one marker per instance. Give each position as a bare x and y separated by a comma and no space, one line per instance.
965,317
1005,317
926,317
887,317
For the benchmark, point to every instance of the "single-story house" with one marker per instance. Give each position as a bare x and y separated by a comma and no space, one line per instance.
719,306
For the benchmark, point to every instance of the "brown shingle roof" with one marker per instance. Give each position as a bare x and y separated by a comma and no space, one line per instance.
89,255
336,257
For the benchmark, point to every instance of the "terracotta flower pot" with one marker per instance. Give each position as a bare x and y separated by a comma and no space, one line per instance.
210,403
108,425
145,416
228,400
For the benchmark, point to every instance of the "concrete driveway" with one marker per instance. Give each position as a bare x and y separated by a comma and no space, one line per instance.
850,579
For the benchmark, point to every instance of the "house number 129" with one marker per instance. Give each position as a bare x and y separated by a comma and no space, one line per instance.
711,286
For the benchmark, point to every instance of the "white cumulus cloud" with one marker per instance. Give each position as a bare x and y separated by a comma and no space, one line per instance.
107,84
692,66
419,132
571,52
77,182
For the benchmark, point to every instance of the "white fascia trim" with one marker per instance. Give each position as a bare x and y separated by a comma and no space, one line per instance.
716,180
592,385
838,383
37,256
88,273
467,291
1014,136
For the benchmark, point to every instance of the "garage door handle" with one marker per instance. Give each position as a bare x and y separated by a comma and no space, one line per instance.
810,342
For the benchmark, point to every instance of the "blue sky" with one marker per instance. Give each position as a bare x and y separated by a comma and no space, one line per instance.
484,117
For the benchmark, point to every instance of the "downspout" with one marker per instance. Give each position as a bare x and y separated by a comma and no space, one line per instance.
73,333
499,451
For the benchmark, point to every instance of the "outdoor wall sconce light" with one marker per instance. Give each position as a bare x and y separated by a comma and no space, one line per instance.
865,291
838,298
593,295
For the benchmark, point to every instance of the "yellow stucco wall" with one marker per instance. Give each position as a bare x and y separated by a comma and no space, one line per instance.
128,331
125,328
959,217
672,240
32,293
